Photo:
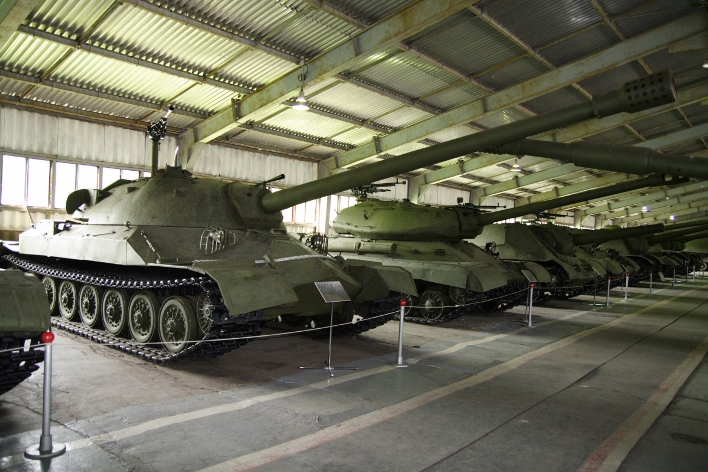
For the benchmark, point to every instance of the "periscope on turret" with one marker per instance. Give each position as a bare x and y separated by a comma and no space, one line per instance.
178,259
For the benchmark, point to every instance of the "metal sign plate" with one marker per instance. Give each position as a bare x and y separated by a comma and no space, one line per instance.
332,291
529,275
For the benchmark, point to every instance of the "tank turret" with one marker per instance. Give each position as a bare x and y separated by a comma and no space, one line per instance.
182,259
672,235
584,237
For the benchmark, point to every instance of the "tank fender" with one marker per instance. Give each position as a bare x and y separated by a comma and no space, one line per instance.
541,273
379,280
246,288
23,302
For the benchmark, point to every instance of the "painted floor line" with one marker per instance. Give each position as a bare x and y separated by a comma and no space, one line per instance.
611,453
345,428
152,425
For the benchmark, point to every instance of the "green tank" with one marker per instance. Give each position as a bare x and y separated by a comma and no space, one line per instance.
24,316
552,246
197,265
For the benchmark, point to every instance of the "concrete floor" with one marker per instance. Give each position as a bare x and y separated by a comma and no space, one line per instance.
590,388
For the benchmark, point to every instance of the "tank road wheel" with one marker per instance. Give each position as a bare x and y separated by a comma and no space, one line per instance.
432,303
50,287
68,300
90,298
142,316
457,295
411,301
178,324
204,313
115,311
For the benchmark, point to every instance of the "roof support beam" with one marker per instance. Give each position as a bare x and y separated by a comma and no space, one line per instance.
642,199
384,34
653,207
614,56
679,210
479,195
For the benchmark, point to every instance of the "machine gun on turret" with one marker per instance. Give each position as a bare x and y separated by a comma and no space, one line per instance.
362,192
544,215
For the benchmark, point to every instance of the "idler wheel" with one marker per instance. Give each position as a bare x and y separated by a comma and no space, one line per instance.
50,288
142,316
68,300
432,304
178,324
90,298
115,311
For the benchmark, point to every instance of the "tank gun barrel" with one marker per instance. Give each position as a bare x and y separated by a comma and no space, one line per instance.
603,235
671,235
687,224
692,236
612,157
496,216
655,90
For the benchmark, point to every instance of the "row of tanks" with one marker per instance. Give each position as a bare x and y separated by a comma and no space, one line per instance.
174,266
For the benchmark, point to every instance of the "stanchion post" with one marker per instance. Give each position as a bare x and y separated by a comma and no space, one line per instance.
531,287
46,449
403,304
694,272
687,272
626,285
674,280
609,279
651,280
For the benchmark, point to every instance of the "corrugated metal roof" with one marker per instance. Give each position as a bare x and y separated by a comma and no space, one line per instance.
371,11
451,133
403,117
84,102
652,15
553,101
121,78
478,46
154,38
501,118
666,129
656,121
209,98
540,23
588,42
30,55
12,88
455,96
268,141
408,75
68,18
513,73
308,123
355,136
355,100
254,67
608,136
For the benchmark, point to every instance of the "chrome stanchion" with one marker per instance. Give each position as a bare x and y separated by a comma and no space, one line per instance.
626,286
403,304
332,292
686,272
674,280
694,272
609,279
651,280
46,449
531,287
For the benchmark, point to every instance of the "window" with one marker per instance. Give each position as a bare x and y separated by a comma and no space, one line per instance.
87,177
14,178
64,181
31,181
38,182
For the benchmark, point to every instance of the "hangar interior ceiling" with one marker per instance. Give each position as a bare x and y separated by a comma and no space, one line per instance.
382,77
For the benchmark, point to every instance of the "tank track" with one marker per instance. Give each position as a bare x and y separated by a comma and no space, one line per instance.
17,365
213,344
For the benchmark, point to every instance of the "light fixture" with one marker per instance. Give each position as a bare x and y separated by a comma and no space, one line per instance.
645,208
301,101
672,217
705,65
516,167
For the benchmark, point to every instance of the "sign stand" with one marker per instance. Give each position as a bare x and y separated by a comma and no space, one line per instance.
532,284
46,449
332,292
